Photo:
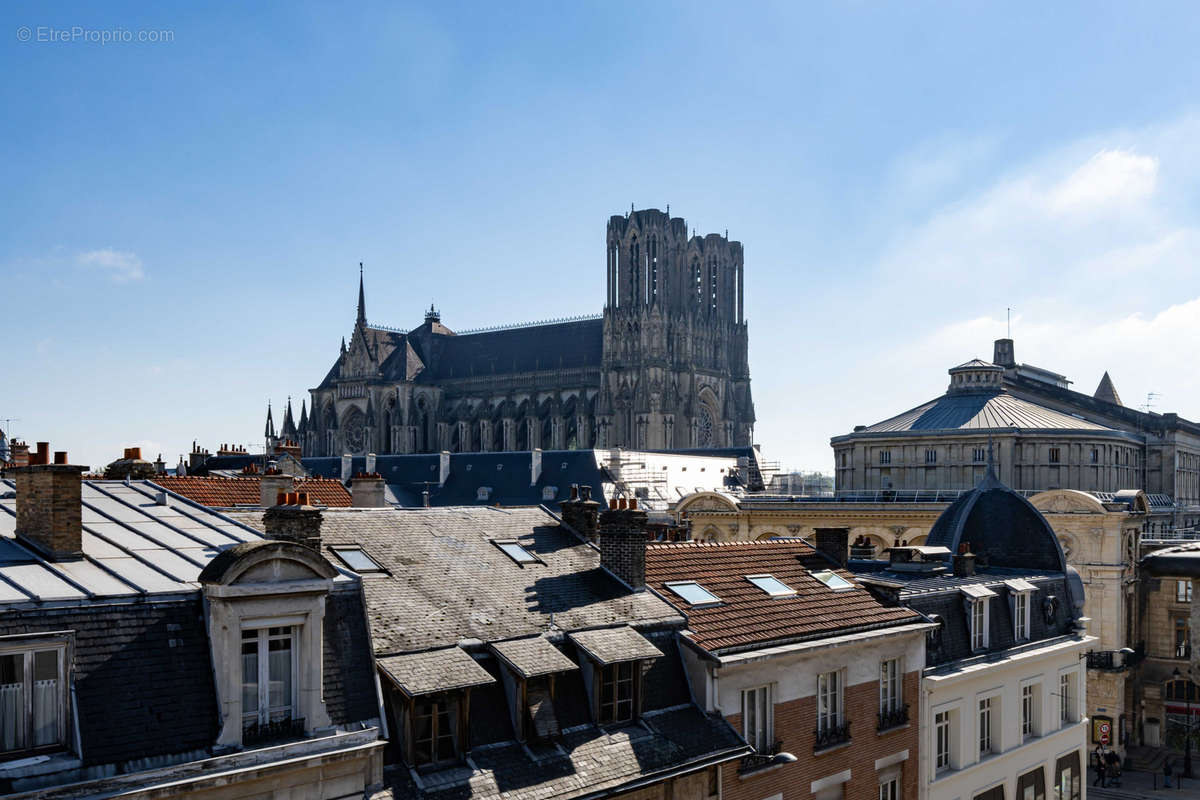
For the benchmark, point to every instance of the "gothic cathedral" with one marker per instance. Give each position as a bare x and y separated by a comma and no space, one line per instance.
664,367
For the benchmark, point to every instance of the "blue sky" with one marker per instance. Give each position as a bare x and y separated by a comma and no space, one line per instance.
184,219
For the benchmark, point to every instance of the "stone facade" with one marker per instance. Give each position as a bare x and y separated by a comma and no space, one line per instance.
1043,434
665,366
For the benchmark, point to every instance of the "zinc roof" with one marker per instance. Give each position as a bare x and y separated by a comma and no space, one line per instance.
132,546
747,616
982,411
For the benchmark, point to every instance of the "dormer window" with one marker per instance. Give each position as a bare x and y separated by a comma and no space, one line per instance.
613,671
268,681
33,695
978,619
1020,591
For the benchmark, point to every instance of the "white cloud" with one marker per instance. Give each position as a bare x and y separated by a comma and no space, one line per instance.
1095,246
1110,177
121,266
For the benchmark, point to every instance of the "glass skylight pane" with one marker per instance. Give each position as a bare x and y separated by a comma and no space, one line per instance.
833,580
357,560
771,585
516,552
693,593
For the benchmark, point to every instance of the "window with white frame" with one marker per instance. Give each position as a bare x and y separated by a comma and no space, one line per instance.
33,696
1021,616
889,788
758,718
941,729
1066,698
987,726
890,691
979,624
829,701
1029,710
268,675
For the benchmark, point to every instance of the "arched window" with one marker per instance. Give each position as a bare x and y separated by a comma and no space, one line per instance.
1181,690
704,427
712,285
698,280
652,281
635,262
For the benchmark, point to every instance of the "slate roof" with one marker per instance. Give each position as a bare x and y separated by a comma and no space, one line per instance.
941,595
133,607
533,656
1181,560
507,474
446,580
218,492
434,671
1000,526
528,348
614,645
748,617
982,410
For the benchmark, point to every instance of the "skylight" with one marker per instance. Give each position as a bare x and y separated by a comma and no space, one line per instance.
517,553
833,580
693,593
356,559
771,585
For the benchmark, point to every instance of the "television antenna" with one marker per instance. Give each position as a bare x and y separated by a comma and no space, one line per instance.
1150,398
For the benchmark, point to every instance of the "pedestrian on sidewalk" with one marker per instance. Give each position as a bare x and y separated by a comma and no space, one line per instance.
1099,773
1167,773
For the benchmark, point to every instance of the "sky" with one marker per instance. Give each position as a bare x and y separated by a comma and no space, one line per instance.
188,192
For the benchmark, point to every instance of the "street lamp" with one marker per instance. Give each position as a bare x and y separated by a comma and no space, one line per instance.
1187,745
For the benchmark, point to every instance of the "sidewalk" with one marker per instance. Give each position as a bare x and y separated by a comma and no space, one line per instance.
1136,784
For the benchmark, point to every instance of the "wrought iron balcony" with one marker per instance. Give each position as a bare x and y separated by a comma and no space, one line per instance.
1183,651
759,760
1117,660
831,736
893,718
271,732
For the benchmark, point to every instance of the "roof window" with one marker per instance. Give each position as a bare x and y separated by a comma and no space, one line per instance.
356,559
517,553
771,585
833,580
693,593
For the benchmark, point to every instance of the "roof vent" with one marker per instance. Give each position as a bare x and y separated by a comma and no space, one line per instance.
917,558
160,498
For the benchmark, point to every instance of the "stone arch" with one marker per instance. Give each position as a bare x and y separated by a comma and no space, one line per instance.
266,560
918,540
1066,501
708,419
711,533
704,501
355,436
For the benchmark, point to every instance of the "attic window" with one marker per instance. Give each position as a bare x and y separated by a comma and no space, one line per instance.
356,559
833,580
517,553
772,585
483,493
693,593
549,492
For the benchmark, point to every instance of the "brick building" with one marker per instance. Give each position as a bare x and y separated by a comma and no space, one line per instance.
821,678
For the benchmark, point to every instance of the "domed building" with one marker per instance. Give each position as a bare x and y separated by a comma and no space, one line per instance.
1004,682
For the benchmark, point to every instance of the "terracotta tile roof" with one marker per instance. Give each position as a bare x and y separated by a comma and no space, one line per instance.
217,492
747,616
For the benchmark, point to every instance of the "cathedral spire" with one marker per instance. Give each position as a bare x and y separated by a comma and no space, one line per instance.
288,430
269,431
362,302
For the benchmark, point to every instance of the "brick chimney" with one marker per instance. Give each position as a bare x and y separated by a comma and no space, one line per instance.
964,562
581,513
271,484
621,535
19,454
367,490
49,508
833,542
294,520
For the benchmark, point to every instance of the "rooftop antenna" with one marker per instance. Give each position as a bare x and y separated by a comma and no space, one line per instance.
1150,398
1009,322
8,421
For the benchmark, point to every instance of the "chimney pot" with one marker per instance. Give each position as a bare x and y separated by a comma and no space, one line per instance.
834,542
60,457
281,498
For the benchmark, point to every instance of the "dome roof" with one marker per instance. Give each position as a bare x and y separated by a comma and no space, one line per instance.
1000,527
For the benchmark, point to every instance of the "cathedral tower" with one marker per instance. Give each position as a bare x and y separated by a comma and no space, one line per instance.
675,366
